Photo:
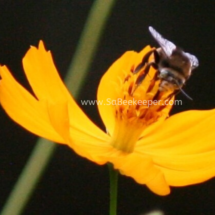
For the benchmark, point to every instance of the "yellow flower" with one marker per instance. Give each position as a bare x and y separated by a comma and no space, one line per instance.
140,141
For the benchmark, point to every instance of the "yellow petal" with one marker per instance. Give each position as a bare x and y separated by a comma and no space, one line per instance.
24,109
107,90
47,85
175,177
43,76
59,118
141,168
158,184
183,147
45,117
89,145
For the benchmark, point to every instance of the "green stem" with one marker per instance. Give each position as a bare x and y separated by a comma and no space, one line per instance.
113,189
44,149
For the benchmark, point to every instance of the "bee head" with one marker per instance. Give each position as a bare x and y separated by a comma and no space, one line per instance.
173,77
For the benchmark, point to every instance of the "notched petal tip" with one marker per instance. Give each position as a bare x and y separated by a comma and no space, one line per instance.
42,47
41,44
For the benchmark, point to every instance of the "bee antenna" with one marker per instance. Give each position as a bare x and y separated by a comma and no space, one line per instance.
185,94
182,91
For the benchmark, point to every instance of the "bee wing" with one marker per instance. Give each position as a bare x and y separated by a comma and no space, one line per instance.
165,44
193,59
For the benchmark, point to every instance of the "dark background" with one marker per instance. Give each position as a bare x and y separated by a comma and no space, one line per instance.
71,184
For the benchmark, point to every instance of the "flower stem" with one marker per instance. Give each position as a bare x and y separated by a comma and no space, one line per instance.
44,149
113,189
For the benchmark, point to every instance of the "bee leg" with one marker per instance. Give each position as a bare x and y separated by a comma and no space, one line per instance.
141,76
146,70
143,62
156,56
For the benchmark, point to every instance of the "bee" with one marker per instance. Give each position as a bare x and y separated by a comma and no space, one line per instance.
174,66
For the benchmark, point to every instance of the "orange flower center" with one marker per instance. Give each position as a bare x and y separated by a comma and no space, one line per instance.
139,104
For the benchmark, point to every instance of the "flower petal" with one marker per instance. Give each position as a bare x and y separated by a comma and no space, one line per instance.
183,147
141,168
89,145
43,76
24,109
177,177
58,113
45,117
107,90
47,85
